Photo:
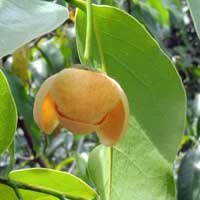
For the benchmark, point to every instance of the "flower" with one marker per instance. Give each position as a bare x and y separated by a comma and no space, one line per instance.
83,101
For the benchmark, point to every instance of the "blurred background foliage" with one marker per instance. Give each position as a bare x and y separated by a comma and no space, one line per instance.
170,23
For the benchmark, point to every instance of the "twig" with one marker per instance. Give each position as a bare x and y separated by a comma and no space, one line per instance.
13,186
23,158
29,140
18,185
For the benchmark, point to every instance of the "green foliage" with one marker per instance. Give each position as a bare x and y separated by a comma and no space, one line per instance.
18,21
24,105
8,116
100,169
7,193
123,61
140,166
148,78
194,7
162,14
189,176
61,182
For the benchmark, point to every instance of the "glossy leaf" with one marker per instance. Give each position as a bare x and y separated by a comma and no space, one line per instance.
162,14
51,179
24,105
81,167
195,12
145,15
8,114
188,183
141,164
24,20
7,193
99,169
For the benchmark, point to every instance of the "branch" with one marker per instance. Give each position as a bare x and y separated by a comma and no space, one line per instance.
29,140
18,185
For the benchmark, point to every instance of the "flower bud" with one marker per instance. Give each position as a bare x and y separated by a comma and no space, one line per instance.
83,101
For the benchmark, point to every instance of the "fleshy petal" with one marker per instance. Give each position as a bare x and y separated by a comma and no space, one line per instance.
84,95
75,126
83,101
44,108
115,124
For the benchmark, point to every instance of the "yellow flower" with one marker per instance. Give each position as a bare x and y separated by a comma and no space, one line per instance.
83,101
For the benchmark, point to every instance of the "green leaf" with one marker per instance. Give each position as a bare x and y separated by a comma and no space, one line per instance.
194,6
99,169
8,116
24,20
141,164
188,183
7,193
24,105
162,14
81,167
150,80
51,179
